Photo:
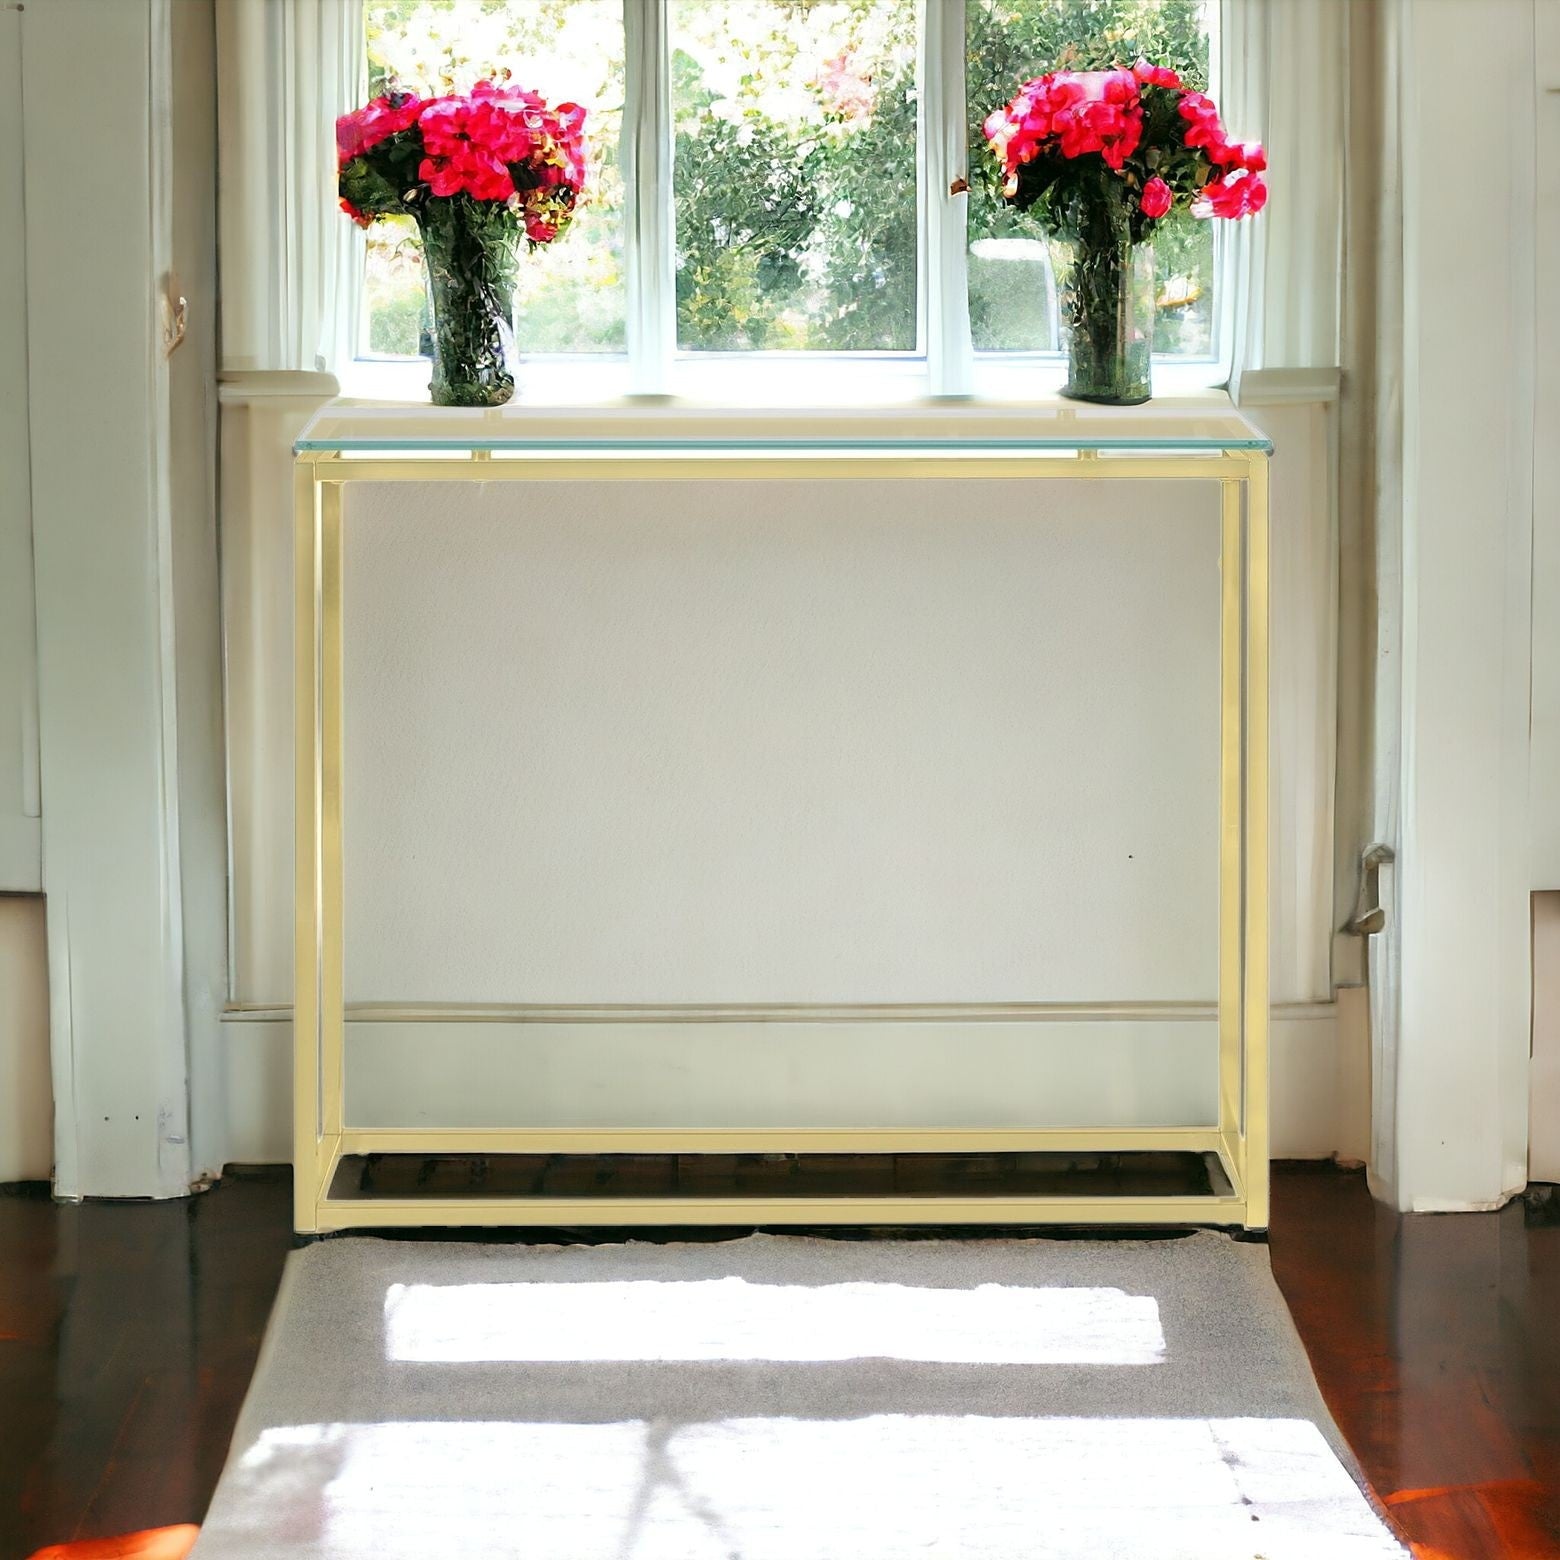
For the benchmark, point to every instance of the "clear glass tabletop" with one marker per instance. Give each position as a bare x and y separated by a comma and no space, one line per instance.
1192,426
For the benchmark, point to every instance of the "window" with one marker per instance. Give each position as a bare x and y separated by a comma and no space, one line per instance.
794,174
793,198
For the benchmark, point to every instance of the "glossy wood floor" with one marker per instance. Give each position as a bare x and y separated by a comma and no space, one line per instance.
1436,1340
128,1332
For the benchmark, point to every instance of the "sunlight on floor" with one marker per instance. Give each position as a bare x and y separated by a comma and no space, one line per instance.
732,1319
875,1488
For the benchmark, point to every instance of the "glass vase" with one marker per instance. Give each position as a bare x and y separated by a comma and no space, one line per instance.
471,261
1107,300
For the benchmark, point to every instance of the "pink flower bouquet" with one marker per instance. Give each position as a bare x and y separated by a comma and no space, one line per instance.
1100,158
478,173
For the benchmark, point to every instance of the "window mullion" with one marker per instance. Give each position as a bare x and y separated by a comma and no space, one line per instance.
943,159
648,227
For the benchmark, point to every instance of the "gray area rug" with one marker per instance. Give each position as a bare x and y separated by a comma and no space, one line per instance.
786,1398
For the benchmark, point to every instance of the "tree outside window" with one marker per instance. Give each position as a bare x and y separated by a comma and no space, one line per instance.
795,171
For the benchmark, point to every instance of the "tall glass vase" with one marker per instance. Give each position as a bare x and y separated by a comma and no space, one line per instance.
471,261
1107,288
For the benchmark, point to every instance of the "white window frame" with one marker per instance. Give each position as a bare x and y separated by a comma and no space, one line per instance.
944,362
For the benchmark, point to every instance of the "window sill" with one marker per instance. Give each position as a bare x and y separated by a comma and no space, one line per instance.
760,381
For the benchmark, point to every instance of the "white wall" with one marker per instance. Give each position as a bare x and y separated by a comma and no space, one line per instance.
506,663
782,742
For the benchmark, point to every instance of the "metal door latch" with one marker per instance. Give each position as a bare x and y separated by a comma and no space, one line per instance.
175,316
1370,915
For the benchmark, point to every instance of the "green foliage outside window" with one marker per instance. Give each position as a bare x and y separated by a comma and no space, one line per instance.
794,166
795,177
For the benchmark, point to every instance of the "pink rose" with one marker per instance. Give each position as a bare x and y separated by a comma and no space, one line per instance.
1156,75
1238,194
1202,124
1156,198
459,140
1102,114
364,128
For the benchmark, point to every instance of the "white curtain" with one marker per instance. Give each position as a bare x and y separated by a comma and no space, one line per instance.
1284,82
285,70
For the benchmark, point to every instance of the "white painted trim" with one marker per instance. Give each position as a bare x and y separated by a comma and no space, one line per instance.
194,569
943,157
100,558
1459,794
1290,386
1371,454
783,1013
125,585
238,387
650,264
21,835
260,414
1460,1205
775,380
175,1136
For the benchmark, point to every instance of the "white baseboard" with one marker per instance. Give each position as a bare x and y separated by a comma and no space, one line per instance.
1320,1106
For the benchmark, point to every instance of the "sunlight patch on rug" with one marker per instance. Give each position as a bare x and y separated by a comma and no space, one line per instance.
732,1319
879,1488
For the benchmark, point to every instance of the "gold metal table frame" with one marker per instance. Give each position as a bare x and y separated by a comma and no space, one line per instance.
322,1133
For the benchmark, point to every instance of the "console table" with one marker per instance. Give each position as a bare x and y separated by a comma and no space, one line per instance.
1160,443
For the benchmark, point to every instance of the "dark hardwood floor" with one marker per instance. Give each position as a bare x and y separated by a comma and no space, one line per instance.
128,1332
1436,1340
